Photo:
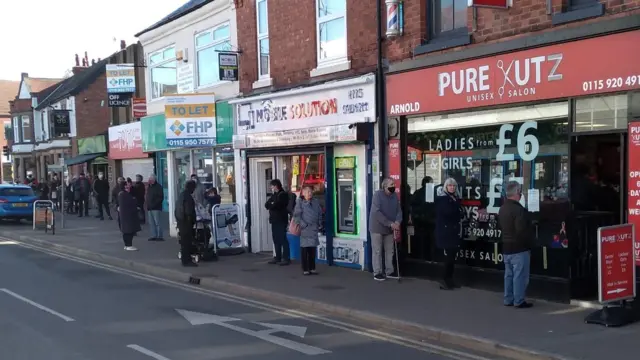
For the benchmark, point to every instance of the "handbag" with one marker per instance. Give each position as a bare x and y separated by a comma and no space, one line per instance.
294,228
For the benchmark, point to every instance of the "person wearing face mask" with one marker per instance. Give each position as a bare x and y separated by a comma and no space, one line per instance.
127,216
279,218
517,241
384,218
448,230
101,189
185,214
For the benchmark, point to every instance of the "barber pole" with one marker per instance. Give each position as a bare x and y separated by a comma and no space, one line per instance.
394,18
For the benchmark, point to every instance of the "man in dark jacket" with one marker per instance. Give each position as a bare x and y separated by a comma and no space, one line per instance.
279,219
154,199
517,241
185,214
101,188
423,216
138,192
83,189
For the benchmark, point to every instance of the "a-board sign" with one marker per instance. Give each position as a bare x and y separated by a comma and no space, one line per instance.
616,263
44,216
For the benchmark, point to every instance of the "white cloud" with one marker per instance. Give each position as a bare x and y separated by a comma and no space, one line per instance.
41,37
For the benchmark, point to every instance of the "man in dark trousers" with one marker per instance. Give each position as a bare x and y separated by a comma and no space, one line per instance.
154,200
138,192
83,187
279,219
517,241
185,214
101,188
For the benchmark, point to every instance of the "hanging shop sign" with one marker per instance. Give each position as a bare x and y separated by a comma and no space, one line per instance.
120,99
139,108
344,102
190,120
317,135
616,268
61,122
633,181
557,71
121,78
125,141
228,66
500,4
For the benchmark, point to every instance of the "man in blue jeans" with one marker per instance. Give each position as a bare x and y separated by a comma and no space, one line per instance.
154,199
517,240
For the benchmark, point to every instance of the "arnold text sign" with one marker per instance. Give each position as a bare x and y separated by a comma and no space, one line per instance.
593,66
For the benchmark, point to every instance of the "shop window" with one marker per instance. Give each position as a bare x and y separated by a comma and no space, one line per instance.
576,10
302,170
162,68
226,179
602,113
263,39
483,151
331,28
208,45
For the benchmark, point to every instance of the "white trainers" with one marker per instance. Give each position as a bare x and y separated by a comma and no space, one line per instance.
131,248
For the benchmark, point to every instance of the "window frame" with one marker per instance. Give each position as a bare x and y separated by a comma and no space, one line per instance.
25,137
158,64
214,43
17,129
260,37
435,12
324,19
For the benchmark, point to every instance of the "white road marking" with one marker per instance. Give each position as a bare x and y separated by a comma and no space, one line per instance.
147,352
421,345
8,243
35,304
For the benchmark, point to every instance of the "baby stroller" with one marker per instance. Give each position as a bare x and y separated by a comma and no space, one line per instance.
204,248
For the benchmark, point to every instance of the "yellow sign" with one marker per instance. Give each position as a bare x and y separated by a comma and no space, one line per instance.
346,162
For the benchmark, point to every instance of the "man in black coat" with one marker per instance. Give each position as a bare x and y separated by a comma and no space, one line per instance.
154,199
279,219
185,214
83,189
101,188
138,191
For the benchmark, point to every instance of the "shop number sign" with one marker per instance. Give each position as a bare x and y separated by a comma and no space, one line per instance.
616,268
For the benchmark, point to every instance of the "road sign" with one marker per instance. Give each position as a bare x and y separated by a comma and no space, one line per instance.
197,318
616,263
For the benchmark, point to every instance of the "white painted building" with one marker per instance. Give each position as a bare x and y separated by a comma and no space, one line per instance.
181,55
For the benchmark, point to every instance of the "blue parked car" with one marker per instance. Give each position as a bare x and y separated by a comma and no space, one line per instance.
16,202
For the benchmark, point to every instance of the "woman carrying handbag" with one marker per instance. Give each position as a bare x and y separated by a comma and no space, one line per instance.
307,222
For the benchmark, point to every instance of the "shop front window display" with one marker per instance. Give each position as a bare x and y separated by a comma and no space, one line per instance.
304,170
483,160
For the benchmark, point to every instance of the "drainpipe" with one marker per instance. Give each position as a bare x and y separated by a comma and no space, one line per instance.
380,97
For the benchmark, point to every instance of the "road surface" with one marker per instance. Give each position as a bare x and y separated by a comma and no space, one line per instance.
58,309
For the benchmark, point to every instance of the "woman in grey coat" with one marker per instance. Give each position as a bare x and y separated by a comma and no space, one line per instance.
308,214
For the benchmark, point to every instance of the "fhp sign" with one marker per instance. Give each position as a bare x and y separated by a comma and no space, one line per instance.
190,120
121,78
119,99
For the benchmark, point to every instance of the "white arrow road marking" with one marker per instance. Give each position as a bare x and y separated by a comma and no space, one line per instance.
196,318
298,331
35,304
147,352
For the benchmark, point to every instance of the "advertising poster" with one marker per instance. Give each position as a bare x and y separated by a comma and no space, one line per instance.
616,269
633,181
345,252
226,226
394,162
190,120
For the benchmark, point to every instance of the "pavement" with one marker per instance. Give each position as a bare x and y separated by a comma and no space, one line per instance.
414,308
56,309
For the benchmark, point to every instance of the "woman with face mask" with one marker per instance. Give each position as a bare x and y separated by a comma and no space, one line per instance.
384,218
127,216
448,229
308,214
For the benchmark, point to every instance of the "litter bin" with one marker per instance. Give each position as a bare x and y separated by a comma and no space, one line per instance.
294,246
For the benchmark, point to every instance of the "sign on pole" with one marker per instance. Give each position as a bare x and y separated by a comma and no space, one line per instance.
121,78
616,265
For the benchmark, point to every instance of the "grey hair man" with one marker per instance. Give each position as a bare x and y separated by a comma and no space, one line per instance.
154,198
517,242
384,218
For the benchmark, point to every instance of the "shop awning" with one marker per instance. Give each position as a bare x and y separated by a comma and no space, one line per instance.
81,159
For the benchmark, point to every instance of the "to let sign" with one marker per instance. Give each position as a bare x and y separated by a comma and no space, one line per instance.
633,181
616,266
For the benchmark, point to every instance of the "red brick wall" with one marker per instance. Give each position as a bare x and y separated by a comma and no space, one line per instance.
292,41
493,25
92,112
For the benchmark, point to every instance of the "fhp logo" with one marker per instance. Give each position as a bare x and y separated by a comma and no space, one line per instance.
191,127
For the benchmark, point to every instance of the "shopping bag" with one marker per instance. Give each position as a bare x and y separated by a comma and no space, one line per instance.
294,228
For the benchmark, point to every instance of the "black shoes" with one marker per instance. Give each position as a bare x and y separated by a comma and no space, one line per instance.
379,277
285,262
524,305
393,275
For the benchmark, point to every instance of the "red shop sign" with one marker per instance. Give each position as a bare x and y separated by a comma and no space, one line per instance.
394,162
139,108
502,4
593,66
633,182
616,268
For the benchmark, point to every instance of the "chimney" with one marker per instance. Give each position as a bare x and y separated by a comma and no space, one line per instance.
78,69
86,59
123,45
24,75
77,60
93,62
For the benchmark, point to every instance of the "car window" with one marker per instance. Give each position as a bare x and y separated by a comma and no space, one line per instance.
16,192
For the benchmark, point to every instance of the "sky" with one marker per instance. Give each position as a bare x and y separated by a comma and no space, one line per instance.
41,37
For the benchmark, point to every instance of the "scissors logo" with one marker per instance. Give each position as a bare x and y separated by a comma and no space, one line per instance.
506,77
